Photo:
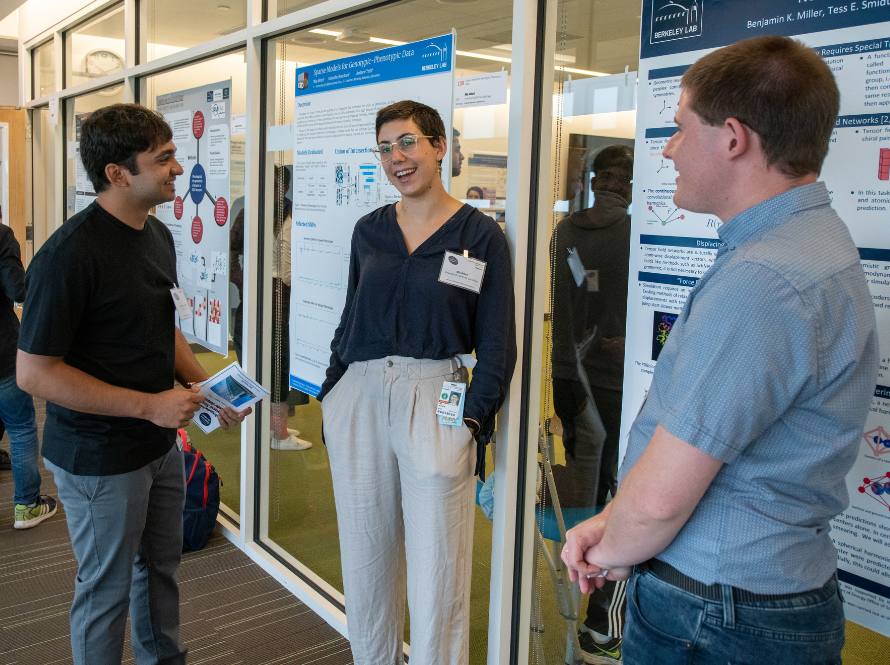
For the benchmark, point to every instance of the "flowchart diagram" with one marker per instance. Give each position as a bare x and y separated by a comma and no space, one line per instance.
359,185
197,190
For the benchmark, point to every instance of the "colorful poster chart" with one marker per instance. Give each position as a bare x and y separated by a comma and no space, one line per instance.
671,248
84,194
337,179
199,215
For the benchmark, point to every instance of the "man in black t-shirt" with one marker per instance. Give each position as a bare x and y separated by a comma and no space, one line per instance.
98,342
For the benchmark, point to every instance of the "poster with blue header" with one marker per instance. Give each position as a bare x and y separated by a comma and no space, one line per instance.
671,248
337,178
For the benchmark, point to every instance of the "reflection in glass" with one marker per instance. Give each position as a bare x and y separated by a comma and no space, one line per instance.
168,26
43,197
43,70
79,189
282,7
222,447
95,48
593,98
298,501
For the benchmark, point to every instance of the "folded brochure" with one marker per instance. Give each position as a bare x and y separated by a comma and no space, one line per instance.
229,387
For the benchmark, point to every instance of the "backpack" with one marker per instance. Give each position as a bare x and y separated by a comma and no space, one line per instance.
201,496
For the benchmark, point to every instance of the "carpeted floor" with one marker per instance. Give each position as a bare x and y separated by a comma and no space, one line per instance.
232,611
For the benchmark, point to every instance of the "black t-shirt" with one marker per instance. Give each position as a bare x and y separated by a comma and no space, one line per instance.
12,289
98,295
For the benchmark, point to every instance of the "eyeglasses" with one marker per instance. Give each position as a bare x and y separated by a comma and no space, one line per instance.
406,145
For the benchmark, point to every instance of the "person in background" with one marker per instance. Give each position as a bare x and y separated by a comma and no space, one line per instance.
16,407
475,193
404,482
283,437
98,342
723,518
457,156
591,255
5,463
236,278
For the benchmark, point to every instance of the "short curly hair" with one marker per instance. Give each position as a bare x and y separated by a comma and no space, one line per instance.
115,135
425,117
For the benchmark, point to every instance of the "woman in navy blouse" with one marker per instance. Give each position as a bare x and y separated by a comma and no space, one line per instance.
429,285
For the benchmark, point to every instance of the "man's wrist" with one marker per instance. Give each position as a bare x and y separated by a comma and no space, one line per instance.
144,406
188,383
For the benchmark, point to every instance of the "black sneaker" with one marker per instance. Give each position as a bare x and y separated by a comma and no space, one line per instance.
594,653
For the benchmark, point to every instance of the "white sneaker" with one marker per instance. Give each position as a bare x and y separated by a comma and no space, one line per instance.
291,443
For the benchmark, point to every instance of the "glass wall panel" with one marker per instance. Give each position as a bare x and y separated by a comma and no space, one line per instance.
78,190
95,48
43,181
43,70
276,8
208,160
168,26
297,502
583,317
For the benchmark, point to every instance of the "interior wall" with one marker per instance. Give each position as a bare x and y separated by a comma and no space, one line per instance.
9,80
17,119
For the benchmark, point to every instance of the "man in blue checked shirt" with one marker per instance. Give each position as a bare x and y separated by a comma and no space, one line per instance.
736,462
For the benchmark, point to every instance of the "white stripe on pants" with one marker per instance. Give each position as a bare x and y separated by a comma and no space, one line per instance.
404,491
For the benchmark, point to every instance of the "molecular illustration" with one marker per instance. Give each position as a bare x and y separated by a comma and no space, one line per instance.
878,488
878,440
665,218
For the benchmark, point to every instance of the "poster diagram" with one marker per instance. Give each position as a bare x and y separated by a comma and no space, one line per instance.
84,194
877,488
361,185
199,216
878,440
197,192
671,248
337,179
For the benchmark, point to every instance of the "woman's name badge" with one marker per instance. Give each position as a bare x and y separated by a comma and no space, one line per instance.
181,303
450,407
462,271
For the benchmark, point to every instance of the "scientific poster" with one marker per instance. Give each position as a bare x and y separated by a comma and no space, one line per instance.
199,215
337,179
671,248
84,194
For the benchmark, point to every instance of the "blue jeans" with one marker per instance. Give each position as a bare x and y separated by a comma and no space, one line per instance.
17,414
669,626
126,533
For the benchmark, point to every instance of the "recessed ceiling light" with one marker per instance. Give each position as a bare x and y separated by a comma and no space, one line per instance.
455,2
353,36
322,31
308,39
223,8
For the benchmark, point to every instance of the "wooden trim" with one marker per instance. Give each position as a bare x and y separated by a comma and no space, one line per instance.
16,216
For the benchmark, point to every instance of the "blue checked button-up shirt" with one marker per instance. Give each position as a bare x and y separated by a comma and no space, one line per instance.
769,368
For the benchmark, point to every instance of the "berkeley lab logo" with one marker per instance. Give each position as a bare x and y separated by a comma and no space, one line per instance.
675,19
440,53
